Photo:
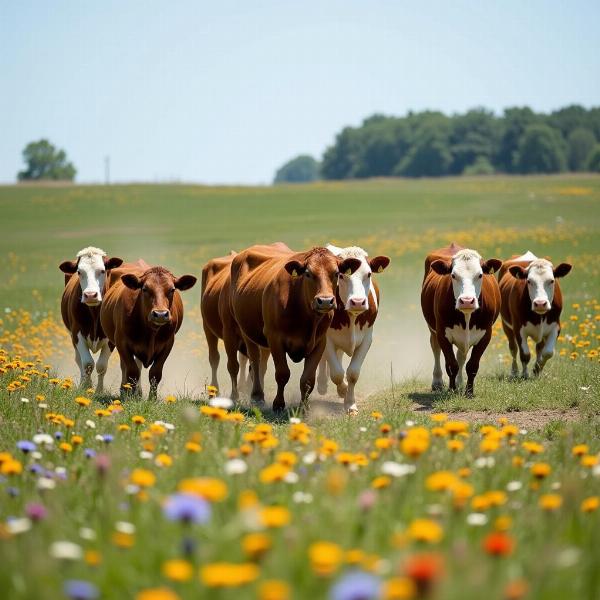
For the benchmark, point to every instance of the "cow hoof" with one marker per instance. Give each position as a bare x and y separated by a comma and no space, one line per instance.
352,412
437,387
322,388
278,406
341,390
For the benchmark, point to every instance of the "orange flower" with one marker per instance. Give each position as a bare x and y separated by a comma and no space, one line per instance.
398,588
424,570
256,544
178,570
273,589
325,558
550,502
142,478
275,516
223,575
209,488
498,543
157,594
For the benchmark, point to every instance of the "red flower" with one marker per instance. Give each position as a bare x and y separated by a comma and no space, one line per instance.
498,543
424,569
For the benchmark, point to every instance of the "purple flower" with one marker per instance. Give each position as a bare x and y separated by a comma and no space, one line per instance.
187,508
26,446
89,453
12,491
58,435
108,438
77,589
36,512
356,585
36,468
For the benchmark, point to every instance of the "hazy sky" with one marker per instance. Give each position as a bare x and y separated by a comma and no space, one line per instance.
226,91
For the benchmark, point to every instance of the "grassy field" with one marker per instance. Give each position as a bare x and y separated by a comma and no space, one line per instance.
413,498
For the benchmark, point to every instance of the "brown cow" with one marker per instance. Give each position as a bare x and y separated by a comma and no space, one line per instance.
460,300
531,307
284,301
85,285
141,314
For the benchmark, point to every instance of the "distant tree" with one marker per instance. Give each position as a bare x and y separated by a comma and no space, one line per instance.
338,160
580,144
480,166
541,150
593,162
44,161
514,123
568,119
302,169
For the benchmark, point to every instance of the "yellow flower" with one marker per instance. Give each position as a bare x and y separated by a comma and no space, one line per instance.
256,544
92,558
274,472
142,478
247,499
122,539
138,420
381,482
580,450
455,445
163,460
533,447
82,401
76,440
590,504
325,558
425,530
178,570
456,427
157,594
273,589
222,575
193,447
170,399
214,412
589,460
66,447
124,427
398,588
274,516
11,467
439,417
439,432
209,488
384,443
503,523
540,470
355,556
489,444
440,481
414,446
376,415
550,502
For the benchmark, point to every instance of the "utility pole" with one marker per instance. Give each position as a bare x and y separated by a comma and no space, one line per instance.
107,170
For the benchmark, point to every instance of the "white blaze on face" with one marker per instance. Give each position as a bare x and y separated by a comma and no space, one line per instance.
92,274
467,277
354,289
540,285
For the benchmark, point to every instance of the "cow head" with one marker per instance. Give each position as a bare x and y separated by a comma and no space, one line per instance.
91,266
540,276
157,287
319,273
353,290
466,268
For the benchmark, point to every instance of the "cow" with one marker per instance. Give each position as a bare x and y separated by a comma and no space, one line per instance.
460,299
141,314
351,329
284,301
85,287
531,307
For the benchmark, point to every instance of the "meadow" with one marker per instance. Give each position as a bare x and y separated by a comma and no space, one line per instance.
421,495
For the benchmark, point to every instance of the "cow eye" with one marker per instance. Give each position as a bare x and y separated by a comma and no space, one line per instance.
102,271
453,276
369,275
480,275
552,282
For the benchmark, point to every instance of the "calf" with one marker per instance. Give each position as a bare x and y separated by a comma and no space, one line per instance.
85,286
531,307
351,329
141,314
284,301
460,300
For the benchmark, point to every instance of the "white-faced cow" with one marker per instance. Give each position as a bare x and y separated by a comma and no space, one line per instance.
85,286
531,307
351,329
460,300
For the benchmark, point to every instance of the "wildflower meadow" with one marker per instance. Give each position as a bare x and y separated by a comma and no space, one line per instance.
421,495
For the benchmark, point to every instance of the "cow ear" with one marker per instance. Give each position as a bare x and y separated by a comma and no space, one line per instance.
491,265
334,249
349,265
185,282
562,270
517,271
441,267
112,263
69,267
295,268
379,263
131,281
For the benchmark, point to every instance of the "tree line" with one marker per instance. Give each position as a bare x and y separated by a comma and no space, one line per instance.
477,142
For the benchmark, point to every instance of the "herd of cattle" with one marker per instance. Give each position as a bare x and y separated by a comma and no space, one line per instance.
313,306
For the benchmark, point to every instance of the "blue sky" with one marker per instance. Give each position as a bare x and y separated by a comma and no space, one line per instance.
225,92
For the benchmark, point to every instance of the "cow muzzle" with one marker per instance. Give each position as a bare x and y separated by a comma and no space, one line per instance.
356,304
540,306
160,317
467,304
323,304
90,298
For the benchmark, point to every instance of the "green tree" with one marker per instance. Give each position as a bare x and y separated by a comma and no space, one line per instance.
580,144
44,161
514,123
302,169
593,162
541,150
480,166
339,160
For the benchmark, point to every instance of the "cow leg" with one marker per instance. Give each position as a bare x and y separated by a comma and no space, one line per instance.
437,383
264,362
322,375
336,369
282,375
449,358
545,349
156,370
257,394
473,364
513,347
309,374
213,354
138,387
130,372
233,366
524,353
102,365
461,358
353,372
86,361
244,374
